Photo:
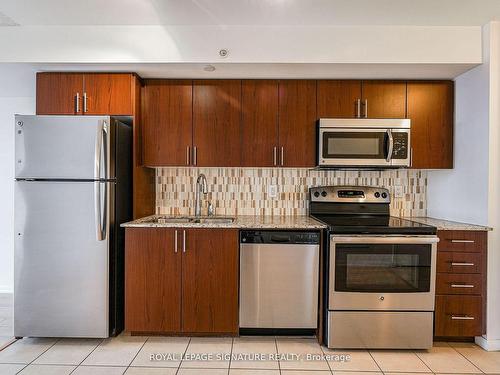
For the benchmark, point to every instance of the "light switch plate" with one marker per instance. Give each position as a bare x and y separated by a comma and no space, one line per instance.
398,191
272,190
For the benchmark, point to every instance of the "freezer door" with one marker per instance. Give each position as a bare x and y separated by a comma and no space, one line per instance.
63,147
61,259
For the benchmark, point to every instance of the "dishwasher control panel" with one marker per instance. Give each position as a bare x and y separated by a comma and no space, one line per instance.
277,237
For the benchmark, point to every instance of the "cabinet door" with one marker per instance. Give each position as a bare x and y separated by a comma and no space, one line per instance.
259,123
430,108
167,122
108,94
152,280
59,93
297,123
339,99
210,281
384,99
216,123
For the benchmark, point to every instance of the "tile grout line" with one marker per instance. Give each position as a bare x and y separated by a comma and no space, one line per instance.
277,352
467,359
421,360
182,357
231,356
136,354
38,356
88,355
374,360
327,362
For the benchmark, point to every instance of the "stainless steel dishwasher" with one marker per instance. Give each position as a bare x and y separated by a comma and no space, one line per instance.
279,281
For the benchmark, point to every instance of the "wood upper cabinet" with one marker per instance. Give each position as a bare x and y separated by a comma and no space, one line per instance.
216,123
107,94
152,280
59,93
339,99
84,94
210,281
297,123
430,108
384,99
167,122
259,123
189,289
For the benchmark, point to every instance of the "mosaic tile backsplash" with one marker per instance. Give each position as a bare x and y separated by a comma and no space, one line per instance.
244,191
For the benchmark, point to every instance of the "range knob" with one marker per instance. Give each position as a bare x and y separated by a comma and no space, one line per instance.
384,195
316,194
377,194
323,193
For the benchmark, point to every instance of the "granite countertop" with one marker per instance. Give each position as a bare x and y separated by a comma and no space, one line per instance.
447,224
241,221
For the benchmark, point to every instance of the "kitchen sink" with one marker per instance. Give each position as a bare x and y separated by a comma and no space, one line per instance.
192,219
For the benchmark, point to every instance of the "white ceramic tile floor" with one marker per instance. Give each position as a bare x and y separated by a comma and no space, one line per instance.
130,355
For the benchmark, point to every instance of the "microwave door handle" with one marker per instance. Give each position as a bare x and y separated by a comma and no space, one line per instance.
390,145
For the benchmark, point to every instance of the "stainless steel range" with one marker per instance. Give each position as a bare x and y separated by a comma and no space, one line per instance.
380,271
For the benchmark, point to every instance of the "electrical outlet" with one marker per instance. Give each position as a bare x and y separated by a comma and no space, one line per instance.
272,190
398,191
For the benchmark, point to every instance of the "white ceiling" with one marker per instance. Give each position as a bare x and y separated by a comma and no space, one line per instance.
248,12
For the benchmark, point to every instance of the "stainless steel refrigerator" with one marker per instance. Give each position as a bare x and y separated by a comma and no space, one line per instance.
72,190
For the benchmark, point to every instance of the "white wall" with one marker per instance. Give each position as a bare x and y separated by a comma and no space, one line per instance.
17,88
246,44
471,191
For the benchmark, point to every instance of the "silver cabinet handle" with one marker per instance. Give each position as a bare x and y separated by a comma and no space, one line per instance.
463,241
462,286
84,102
77,102
390,145
462,317
358,108
282,155
195,155
275,155
188,151
366,108
461,264
175,242
184,241
411,156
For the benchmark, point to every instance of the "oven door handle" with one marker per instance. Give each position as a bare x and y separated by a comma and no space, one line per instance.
385,239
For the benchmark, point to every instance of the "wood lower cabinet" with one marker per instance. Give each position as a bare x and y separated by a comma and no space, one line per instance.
210,281
152,280
181,280
167,122
297,123
430,108
460,284
59,93
216,123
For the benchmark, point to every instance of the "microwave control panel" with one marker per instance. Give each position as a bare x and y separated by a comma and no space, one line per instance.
400,148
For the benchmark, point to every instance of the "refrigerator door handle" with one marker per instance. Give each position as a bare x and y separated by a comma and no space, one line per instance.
101,144
100,209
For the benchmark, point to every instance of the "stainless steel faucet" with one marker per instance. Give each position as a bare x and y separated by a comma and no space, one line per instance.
201,187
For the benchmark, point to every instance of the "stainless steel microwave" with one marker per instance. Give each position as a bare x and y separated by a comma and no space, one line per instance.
364,143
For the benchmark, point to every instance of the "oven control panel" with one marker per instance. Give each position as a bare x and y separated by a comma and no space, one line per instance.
350,194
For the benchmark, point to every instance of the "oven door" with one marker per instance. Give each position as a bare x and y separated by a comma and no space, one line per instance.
368,147
382,272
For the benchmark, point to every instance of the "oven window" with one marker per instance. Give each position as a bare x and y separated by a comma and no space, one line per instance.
350,145
382,268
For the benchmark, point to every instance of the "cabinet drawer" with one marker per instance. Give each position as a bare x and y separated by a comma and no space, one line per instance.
462,240
448,262
449,283
458,316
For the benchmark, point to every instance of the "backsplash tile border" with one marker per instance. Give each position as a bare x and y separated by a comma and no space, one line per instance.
244,191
